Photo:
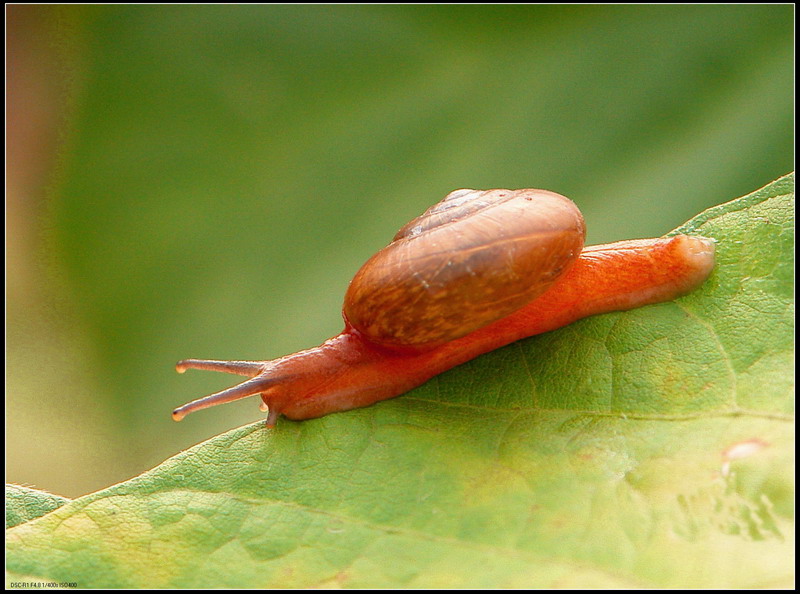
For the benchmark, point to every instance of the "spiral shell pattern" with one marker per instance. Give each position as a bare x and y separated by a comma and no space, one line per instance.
473,258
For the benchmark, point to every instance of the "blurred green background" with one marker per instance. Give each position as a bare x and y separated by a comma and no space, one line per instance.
203,181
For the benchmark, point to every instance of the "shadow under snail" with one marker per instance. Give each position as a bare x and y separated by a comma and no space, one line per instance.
475,272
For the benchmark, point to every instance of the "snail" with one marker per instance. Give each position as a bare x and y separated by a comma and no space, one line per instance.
475,272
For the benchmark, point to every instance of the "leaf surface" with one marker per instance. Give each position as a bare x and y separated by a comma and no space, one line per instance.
24,503
644,449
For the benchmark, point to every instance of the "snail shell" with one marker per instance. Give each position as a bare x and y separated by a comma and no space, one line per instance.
469,260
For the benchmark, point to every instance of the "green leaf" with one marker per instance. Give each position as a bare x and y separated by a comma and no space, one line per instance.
646,449
222,173
24,503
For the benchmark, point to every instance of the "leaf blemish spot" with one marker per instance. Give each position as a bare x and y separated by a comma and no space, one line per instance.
740,450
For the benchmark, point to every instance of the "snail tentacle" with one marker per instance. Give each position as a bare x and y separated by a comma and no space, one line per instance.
255,385
247,368
272,418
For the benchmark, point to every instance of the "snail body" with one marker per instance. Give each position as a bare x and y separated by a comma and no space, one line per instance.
477,271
